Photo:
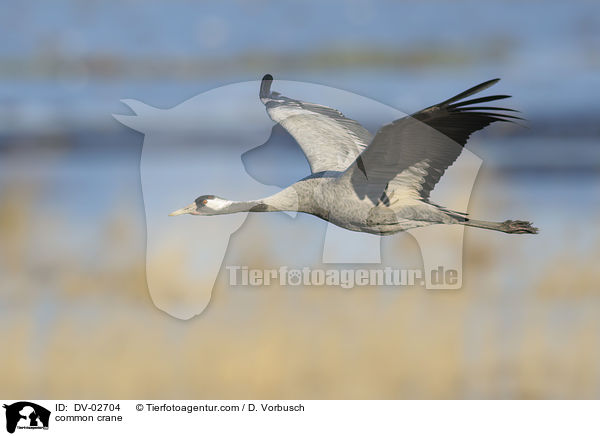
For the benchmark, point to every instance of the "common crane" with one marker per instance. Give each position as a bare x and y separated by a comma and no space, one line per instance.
375,184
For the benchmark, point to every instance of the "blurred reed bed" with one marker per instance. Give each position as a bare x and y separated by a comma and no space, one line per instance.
77,327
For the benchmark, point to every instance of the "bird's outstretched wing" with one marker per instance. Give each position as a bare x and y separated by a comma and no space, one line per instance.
330,141
408,156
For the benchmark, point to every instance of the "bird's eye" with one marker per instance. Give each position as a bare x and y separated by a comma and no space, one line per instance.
204,201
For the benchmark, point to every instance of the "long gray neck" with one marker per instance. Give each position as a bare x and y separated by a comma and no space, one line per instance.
285,200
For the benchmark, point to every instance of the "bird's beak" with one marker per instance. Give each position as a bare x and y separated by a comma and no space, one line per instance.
188,209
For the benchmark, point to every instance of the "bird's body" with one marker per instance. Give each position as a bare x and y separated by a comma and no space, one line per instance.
329,196
374,184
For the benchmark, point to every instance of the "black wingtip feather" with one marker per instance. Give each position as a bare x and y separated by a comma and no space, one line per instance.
265,86
496,114
478,100
474,90
488,108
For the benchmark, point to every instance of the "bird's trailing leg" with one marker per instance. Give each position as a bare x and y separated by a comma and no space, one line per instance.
508,226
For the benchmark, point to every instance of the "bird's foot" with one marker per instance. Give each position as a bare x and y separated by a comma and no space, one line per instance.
510,226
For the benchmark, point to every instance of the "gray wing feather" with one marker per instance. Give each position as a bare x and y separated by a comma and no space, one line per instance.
330,141
409,156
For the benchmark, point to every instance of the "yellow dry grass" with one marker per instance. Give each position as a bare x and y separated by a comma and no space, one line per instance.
71,328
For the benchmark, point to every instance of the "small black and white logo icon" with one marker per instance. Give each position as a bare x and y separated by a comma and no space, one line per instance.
26,415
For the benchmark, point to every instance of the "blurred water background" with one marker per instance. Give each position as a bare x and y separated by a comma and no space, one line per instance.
75,315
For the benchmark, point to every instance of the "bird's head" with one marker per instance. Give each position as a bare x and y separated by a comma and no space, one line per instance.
204,205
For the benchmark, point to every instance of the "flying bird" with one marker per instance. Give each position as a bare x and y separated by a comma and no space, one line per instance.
375,184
